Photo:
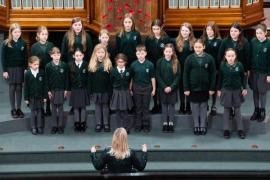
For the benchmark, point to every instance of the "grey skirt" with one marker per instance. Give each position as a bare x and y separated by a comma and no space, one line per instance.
35,104
101,98
79,98
16,75
168,98
58,97
231,98
258,82
121,100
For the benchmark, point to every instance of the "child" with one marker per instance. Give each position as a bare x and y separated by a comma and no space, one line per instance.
42,49
155,45
14,63
260,71
212,40
76,38
79,98
56,73
104,39
231,89
184,47
121,99
128,38
99,85
199,83
143,86
35,94
168,76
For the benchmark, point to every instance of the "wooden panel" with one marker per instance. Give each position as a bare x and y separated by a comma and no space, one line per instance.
3,18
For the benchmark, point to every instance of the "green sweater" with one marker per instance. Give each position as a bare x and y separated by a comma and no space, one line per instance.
34,87
67,55
142,73
43,52
232,77
119,166
199,73
120,82
260,56
78,77
99,81
165,76
212,47
127,44
14,56
243,53
56,76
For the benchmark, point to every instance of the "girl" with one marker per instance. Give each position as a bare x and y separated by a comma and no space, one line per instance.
79,96
121,99
128,38
99,85
231,89
76,38
199,83
212,40
56,73
14,63
168,76
260,71
119,158
155,45
104,39
184,46
42,49
35,94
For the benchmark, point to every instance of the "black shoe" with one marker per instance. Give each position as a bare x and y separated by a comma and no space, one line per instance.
54,130
13,113
182,109
227,134
60,130
241,134
107,128
20,114
155,109
165,128
98,128
256,115
196,131
40,130
213,111
262,115
203,131
83,126
34,131
77,127
171,128
71,111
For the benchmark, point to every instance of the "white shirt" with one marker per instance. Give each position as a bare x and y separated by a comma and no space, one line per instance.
119,70
78,64
34,72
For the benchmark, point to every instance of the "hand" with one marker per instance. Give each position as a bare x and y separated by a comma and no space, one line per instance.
131,92
65,94
211,93
168,89
5,75
26,102
244,92
50,95
144,148
268,79
44,100
153,93
93,149
218,93
187,93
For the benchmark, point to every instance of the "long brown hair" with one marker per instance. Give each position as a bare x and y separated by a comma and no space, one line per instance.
71,35
180,40
214,27
174,59
120,149
237,25
122,30
12,27
157,22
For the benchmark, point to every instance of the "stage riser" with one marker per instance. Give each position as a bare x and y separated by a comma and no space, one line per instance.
181,122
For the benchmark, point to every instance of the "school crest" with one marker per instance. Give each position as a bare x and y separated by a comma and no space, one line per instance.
135,38
236,69
215,44
127,73
61,70
84,71
206,66
147,70
40,78
22,48
162,45
265,50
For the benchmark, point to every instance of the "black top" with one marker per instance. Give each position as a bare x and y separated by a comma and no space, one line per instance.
114,165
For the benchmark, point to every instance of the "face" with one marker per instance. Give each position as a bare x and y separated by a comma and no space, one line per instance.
141,55
104,38
77,27
234,33
127,24
185,32
120,63
230,57
100,54
168,52
261,35
34,66
156,30
78,56
56,57
16,34
198,48
43,36
210,32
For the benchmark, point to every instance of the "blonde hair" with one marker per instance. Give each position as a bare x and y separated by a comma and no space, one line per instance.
174,59
120,149
122,31
92,67
33,59
39,30
180,40
103,31
12,27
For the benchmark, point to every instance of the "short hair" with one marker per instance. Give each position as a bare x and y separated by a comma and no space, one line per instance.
33,59
141,47
55,50
120,56
261,26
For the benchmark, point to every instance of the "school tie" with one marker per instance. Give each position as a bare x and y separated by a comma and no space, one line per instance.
121,73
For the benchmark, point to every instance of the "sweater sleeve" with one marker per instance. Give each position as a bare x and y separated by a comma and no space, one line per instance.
221,52
247,56
3,57
89,45
243,77
212,74
26,89
25,54
186,74
139,163
64,48
99,163
220,78
160,81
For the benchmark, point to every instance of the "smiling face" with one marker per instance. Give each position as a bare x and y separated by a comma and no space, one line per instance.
260,34
100,53
104,38
77,27
185,32
230,57
210,32
16,34
141,55
120,63
156,30
234,33
127,24
168,52
43,36
34,65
